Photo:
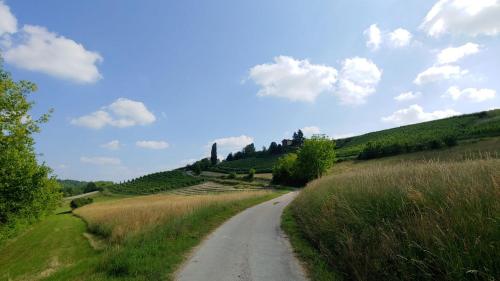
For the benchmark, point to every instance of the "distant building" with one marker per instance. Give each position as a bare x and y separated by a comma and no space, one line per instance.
286,142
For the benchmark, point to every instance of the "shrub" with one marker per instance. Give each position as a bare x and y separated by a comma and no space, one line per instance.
79,202
251,174
450,141
231,175
284,170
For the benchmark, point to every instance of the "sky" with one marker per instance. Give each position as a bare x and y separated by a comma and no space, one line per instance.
146,86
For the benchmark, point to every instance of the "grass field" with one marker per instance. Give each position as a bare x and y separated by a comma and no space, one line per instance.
410,217
146,237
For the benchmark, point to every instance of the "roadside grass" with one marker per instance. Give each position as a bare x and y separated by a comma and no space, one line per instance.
150,236
50,245
317,268
404,220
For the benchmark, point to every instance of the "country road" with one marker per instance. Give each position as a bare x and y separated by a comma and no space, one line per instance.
249,247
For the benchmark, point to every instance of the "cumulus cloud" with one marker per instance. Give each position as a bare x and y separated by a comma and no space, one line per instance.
121,113
415,114
470,94
373,37
8,22
451,55
310,130
469,17
358,79
112,145
101,161
399,38
296,80
152,144
37,49
438,73
406,96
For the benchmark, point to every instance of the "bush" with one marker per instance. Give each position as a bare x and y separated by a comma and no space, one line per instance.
79,202
313,159
231,175
450,141
251,174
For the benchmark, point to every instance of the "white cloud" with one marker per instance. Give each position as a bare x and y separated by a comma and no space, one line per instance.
152,144
471,94
121,113
416,114
8,22
102,161
296,80
451,55
112,145
470,17
230,144
400,38
37,49
437,73
343,136
373,37
310,130
358,79
406,96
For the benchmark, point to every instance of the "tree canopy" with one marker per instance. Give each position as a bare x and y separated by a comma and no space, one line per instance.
26,190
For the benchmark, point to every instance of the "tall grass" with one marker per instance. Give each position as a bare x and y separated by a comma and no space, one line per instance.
411,221
117,220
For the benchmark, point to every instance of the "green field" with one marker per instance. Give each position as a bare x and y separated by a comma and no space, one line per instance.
262,164
430,215
464,127
154,183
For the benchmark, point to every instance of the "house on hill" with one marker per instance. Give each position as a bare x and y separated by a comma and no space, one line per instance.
286,142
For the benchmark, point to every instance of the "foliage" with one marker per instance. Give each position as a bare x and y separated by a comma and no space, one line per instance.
213,154
157,182
423,220
74,187
251,174
26,190
312,160
79,202
231,175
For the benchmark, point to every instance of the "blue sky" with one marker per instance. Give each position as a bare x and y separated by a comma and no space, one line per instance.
143,86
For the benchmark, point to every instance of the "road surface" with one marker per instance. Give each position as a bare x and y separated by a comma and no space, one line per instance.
249,247
81,195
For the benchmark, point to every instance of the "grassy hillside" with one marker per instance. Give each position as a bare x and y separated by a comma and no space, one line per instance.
424,216
154,183
262,164
470,126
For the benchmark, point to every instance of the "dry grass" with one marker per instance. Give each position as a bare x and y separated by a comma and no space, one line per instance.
424,220
119,219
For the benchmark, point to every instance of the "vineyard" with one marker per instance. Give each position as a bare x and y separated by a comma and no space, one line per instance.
154,183
424,136
260,164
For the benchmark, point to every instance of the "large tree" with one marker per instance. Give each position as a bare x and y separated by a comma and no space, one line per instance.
27,192
213,154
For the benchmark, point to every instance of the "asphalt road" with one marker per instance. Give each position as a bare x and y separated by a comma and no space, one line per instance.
250,247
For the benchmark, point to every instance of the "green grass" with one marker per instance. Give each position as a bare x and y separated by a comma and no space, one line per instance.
263,164
402,220
50,245
470,126
154,183
156,254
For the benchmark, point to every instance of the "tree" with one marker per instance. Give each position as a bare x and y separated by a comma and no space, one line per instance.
249,149
251,174
298,138
284,170
213,154
27,192
229,157
273,148
91,186
315,157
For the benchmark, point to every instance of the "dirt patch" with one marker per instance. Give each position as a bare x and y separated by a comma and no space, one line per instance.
95,242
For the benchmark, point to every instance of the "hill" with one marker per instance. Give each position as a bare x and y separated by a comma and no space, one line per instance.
157,182
463,127
75,187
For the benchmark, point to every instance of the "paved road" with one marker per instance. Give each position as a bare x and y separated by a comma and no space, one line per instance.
250,247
